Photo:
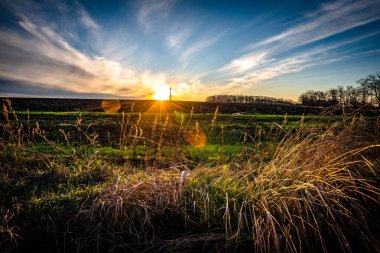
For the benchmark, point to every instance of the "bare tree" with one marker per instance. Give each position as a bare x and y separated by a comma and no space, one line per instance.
364,92
372,84
341,96
332,96
247,99
352,96
367,92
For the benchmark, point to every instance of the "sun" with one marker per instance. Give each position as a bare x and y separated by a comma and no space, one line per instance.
162,92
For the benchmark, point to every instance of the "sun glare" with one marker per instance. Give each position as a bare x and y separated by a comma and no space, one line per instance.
162,92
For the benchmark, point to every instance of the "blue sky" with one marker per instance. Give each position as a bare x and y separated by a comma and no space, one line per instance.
131,49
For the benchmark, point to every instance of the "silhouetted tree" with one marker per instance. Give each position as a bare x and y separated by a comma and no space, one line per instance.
372,85
367,93
247,99
332,97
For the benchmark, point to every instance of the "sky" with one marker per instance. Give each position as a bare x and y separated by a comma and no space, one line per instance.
136,49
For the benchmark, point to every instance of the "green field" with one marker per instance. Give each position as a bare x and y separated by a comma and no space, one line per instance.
188,181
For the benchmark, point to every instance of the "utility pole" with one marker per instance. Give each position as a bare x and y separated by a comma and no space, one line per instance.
170,93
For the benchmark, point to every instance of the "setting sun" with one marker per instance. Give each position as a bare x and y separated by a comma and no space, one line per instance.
162,92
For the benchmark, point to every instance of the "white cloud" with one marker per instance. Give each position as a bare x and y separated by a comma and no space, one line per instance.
246,62
173,40
48,59
272,57
192,89
328,20
177,38
152,11
87,20
40,56
198,46
292,64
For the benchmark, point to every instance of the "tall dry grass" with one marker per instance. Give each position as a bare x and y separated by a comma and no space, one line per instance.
302,189
314,191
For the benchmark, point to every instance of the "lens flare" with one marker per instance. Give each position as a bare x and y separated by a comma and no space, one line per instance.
195,136
111,105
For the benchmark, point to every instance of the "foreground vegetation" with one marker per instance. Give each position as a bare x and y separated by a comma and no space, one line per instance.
188,182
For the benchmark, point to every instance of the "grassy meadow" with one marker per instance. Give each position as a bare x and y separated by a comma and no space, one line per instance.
164,180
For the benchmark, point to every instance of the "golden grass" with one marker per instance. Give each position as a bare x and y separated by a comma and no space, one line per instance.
313,190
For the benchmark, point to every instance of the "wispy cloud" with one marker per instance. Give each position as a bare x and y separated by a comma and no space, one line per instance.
246,62
328,20
87,20
273,57
36,58
47,58
191,89
198,46
40,55
152,11
63,48
176,38
292,64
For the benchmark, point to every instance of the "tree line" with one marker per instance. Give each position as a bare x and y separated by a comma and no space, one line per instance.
365,92
247,99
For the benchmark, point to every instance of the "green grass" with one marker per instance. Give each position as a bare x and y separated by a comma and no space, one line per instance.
107,183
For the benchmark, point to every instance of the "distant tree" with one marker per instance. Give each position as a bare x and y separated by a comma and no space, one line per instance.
247,99
308,98
372,85
366,93
341,96
321,98
303,99
352,96
332,96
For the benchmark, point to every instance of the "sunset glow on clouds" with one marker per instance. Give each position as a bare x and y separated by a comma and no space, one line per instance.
128,49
